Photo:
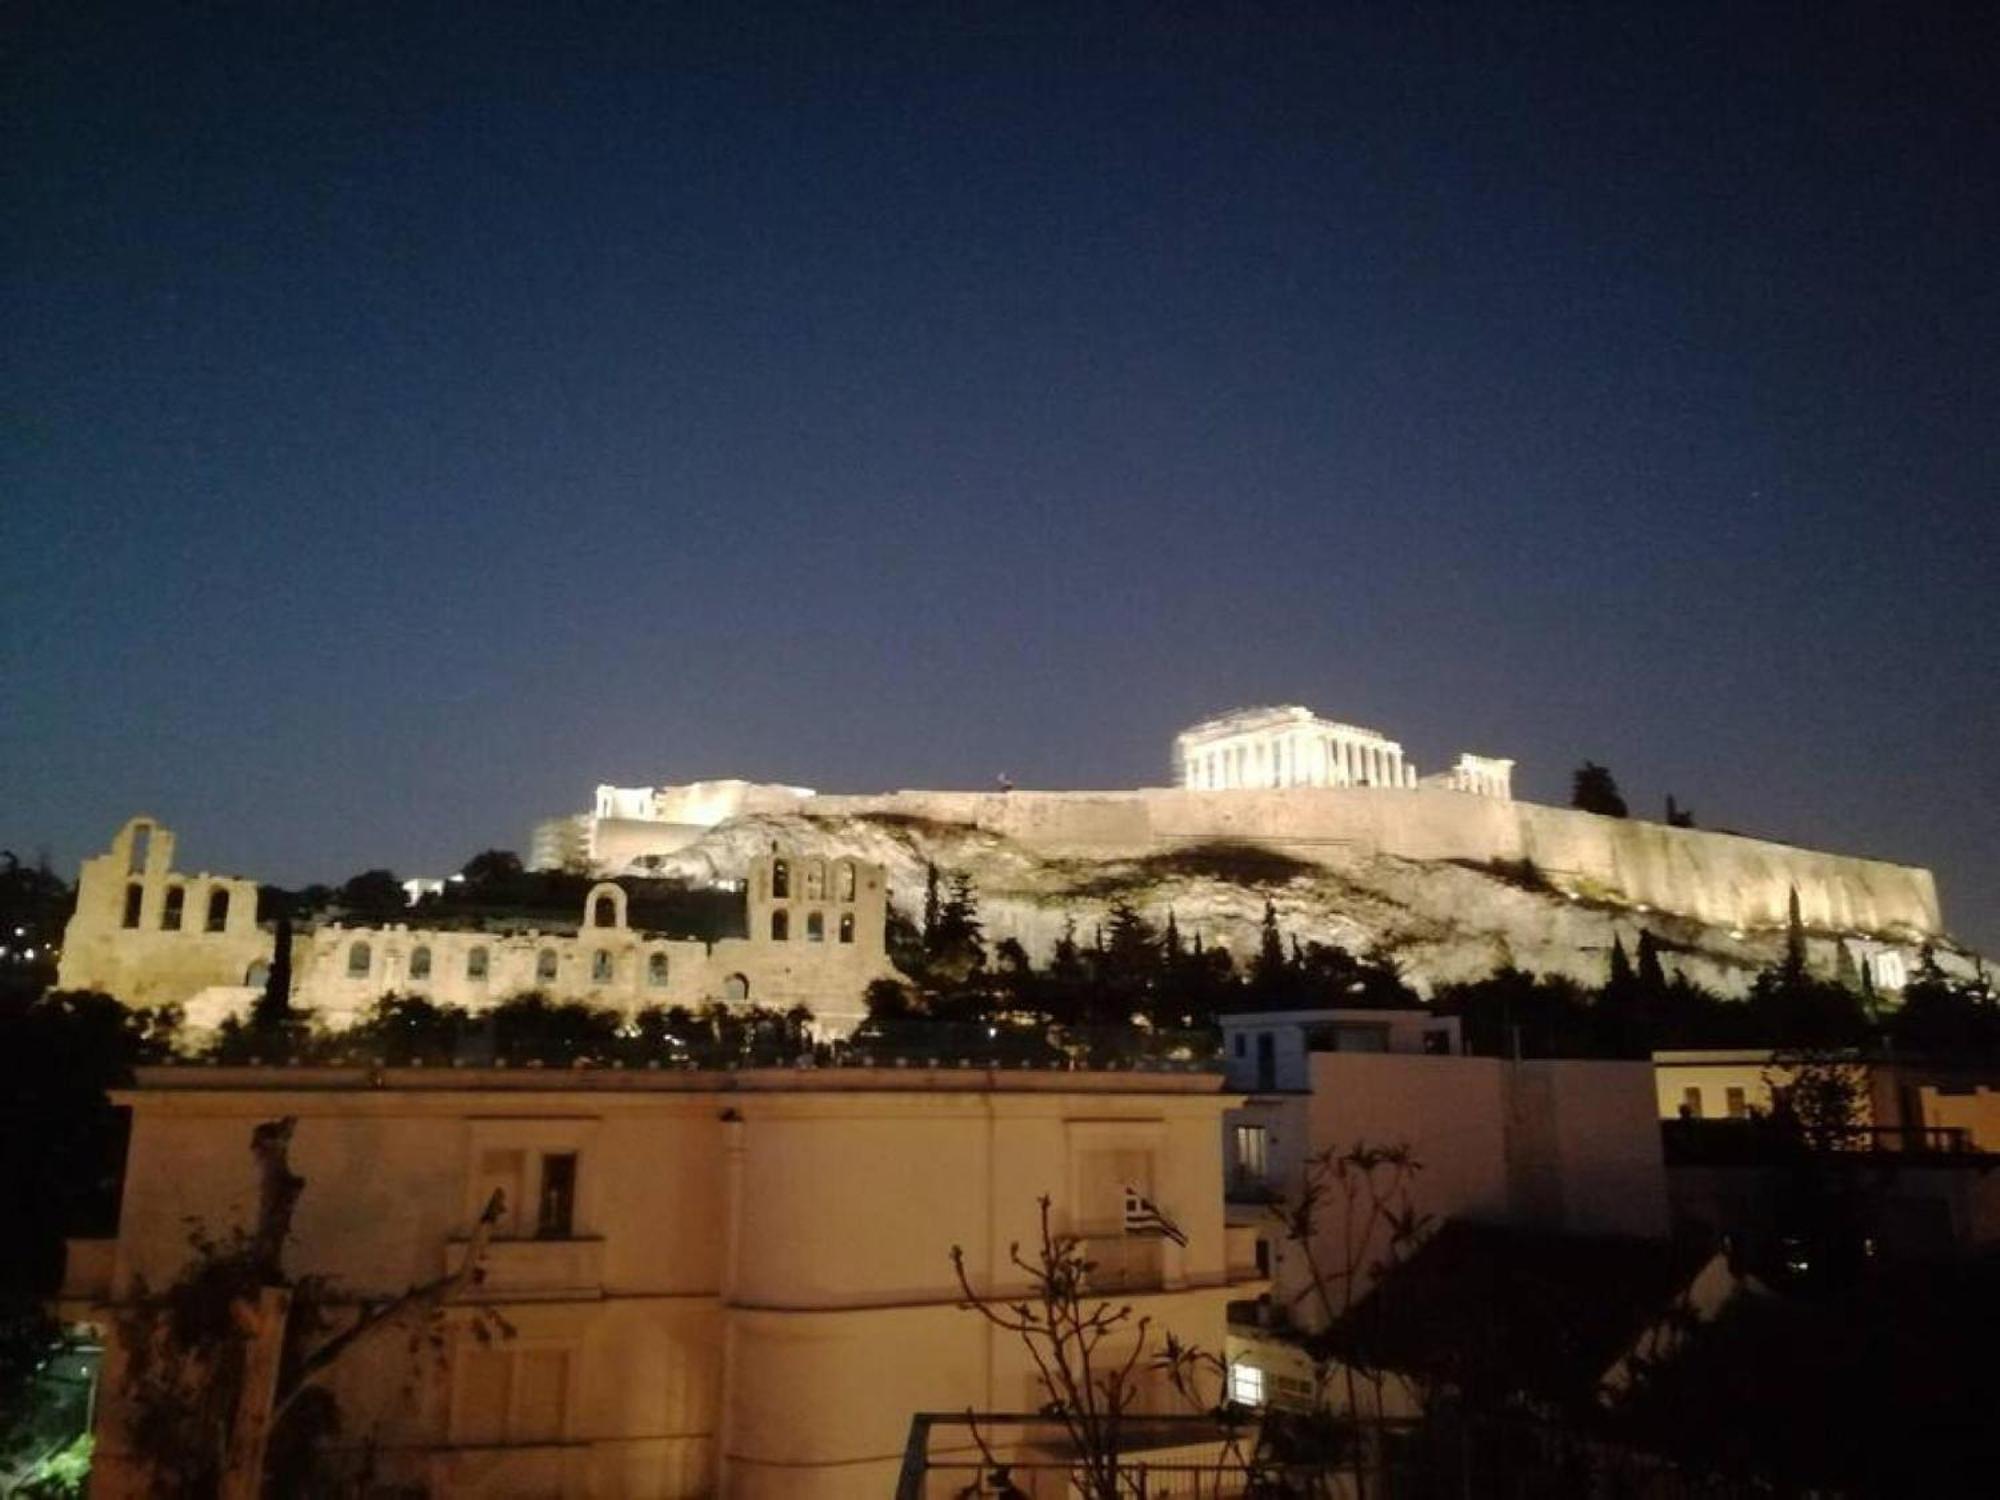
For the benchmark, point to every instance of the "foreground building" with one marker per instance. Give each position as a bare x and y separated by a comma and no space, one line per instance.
1553,1147
719,1284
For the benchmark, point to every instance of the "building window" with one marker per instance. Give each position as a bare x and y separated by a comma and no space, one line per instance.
218,910
475,964
1240,1045
604,912
358,960
736,988
1253,1153
1738,1103
781,879
135,897
1691,1104
815,927
847,927
170,912
257,975
555,1217
142,845
847,882
420,963
1246,1385
656,970
600,967
781,926
545,964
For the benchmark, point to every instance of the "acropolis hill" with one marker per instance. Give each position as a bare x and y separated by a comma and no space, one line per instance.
1331,824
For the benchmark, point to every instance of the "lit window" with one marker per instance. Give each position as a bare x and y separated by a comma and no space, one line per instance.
847,927
475,964
1253,1153
555,1218
656,970
1739,1104
781,879
1246,1385
170,913
420,963
545,964
1691,1104
358,960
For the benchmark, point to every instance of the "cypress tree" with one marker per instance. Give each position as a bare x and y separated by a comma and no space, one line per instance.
1621,966
1652,974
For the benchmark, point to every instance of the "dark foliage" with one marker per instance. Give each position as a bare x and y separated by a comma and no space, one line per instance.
1593,790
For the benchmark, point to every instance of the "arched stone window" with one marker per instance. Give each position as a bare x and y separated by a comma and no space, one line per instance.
781,926
656,970
847,927
359,959
218,910
604,912
142,845
420,963
781,879
847,882
815,881
135,897
170,910
736,988
475,964
257,975
815,927
545,964
600,967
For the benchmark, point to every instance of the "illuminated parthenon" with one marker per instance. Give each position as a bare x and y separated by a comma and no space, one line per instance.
1291,746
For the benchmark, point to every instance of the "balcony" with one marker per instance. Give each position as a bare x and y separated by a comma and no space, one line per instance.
525,1270
1125,1262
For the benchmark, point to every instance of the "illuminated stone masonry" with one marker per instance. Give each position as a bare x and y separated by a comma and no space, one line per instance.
1286,746
153,936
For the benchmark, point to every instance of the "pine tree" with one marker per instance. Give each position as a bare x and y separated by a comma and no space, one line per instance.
1621,966
1652,974
1795,970
932,906
1270,969
1170,942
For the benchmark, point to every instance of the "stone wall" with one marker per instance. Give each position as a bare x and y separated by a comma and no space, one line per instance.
153,935
1719,878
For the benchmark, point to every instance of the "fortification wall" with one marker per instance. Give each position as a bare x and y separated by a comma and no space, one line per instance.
1714,877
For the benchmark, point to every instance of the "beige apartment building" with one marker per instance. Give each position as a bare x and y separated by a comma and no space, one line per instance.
718,1284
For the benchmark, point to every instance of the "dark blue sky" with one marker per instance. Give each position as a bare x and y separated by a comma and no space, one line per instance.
412,416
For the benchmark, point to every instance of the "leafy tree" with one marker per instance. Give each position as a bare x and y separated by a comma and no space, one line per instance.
493,868
373,896
1593,790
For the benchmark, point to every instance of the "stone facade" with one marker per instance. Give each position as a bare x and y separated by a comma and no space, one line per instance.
816,936
717,1284
627,825
153,935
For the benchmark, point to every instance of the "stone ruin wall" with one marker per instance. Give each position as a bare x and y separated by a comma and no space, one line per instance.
1718,878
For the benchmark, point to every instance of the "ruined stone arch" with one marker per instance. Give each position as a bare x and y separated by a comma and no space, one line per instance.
604,907
173,908
218,910
360,959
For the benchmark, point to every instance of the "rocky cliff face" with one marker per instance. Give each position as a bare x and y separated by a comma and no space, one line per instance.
1441,921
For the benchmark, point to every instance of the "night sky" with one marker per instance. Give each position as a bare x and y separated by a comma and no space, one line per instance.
413,416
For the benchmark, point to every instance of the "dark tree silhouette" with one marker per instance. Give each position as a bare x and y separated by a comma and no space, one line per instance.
1593,790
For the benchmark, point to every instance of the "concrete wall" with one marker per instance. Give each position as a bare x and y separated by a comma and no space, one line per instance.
1715,877
756,1294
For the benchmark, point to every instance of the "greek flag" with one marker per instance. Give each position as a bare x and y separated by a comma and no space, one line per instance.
1142,1216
